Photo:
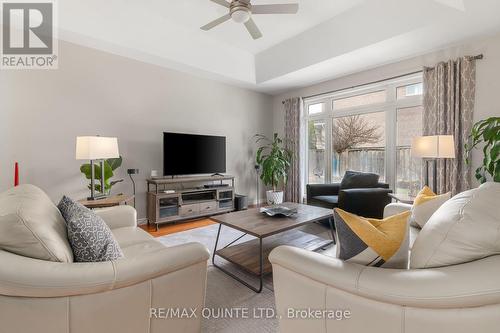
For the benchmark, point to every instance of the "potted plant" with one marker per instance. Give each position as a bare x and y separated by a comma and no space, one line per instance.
274,160
486,133
110,165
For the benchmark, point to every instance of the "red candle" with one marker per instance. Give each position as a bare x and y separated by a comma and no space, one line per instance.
16,174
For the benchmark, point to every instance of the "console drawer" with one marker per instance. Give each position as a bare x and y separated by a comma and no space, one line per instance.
187,210
209,206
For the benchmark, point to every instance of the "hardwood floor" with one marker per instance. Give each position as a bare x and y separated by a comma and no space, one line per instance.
172,228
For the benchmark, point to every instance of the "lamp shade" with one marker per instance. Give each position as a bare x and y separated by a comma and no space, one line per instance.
434,146
96,148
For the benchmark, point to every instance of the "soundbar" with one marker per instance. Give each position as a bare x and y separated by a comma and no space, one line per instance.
215,185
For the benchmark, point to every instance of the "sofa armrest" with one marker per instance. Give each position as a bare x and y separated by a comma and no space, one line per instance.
396,208
367,202
26,277
314,190
472,285
118,216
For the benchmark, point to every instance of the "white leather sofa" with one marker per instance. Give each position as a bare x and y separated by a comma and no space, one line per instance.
117,296
459,299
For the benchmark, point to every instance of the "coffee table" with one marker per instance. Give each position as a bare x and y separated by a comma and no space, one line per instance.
269,232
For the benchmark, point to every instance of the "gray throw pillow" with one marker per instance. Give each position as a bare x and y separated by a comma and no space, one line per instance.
355,179
89,236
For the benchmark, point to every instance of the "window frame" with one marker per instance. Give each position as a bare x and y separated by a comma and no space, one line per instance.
390,107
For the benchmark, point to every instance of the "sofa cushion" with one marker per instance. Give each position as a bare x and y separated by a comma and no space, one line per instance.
463,229
32,226
425,204
89,236
135,242
355,179
330,199
372,242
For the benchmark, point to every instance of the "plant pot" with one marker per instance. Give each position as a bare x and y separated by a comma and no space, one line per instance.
274,197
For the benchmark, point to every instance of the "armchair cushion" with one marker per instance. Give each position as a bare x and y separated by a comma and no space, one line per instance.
90,237
355,179
366,202
463,229
32,226
325,201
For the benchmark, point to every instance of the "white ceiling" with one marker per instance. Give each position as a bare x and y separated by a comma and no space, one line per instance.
327,38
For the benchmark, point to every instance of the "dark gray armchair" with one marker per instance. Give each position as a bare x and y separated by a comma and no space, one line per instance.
367,201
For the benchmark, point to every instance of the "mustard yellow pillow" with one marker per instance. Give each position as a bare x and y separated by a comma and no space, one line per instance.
372,242
425,204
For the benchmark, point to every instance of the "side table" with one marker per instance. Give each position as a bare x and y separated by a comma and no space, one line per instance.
115,200
403,198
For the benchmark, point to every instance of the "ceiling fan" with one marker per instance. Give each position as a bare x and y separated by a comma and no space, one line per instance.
241,11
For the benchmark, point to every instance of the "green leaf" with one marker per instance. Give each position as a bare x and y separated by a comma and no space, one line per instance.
274,159
114,163
487,134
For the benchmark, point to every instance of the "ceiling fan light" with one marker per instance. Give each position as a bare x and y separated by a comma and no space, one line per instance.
240,15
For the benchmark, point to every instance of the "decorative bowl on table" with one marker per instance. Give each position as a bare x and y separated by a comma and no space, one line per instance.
278,211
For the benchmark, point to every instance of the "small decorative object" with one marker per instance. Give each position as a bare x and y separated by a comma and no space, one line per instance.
432,148
105,151
16,174
275,161
486,132
278,211
131,172
154,173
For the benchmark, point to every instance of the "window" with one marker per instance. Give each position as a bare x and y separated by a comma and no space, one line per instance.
408,169
367,129
316,108
360,100
358,143
410,90
316,152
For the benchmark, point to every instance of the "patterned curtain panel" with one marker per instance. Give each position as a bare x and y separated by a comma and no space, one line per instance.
293,106
449,92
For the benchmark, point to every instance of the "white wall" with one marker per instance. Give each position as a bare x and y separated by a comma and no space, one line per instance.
487,82
92,92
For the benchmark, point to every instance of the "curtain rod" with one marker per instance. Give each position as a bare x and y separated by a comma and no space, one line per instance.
477,57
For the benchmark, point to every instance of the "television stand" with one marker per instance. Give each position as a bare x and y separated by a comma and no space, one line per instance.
188,200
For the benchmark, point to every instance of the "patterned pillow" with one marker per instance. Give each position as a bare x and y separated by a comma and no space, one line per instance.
89,236
425,204
372,242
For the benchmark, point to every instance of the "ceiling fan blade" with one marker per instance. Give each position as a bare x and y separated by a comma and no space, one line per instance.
222,3
253,29
216,22
291,8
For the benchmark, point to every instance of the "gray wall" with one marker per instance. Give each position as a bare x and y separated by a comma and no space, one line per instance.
487,85
93,92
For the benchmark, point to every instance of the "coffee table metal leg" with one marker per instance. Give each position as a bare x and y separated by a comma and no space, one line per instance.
332,230
215,247
261,264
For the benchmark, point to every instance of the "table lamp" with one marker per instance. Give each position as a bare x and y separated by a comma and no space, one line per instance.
432,148
96,149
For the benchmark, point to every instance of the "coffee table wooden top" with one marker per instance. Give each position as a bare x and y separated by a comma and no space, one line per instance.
257,224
